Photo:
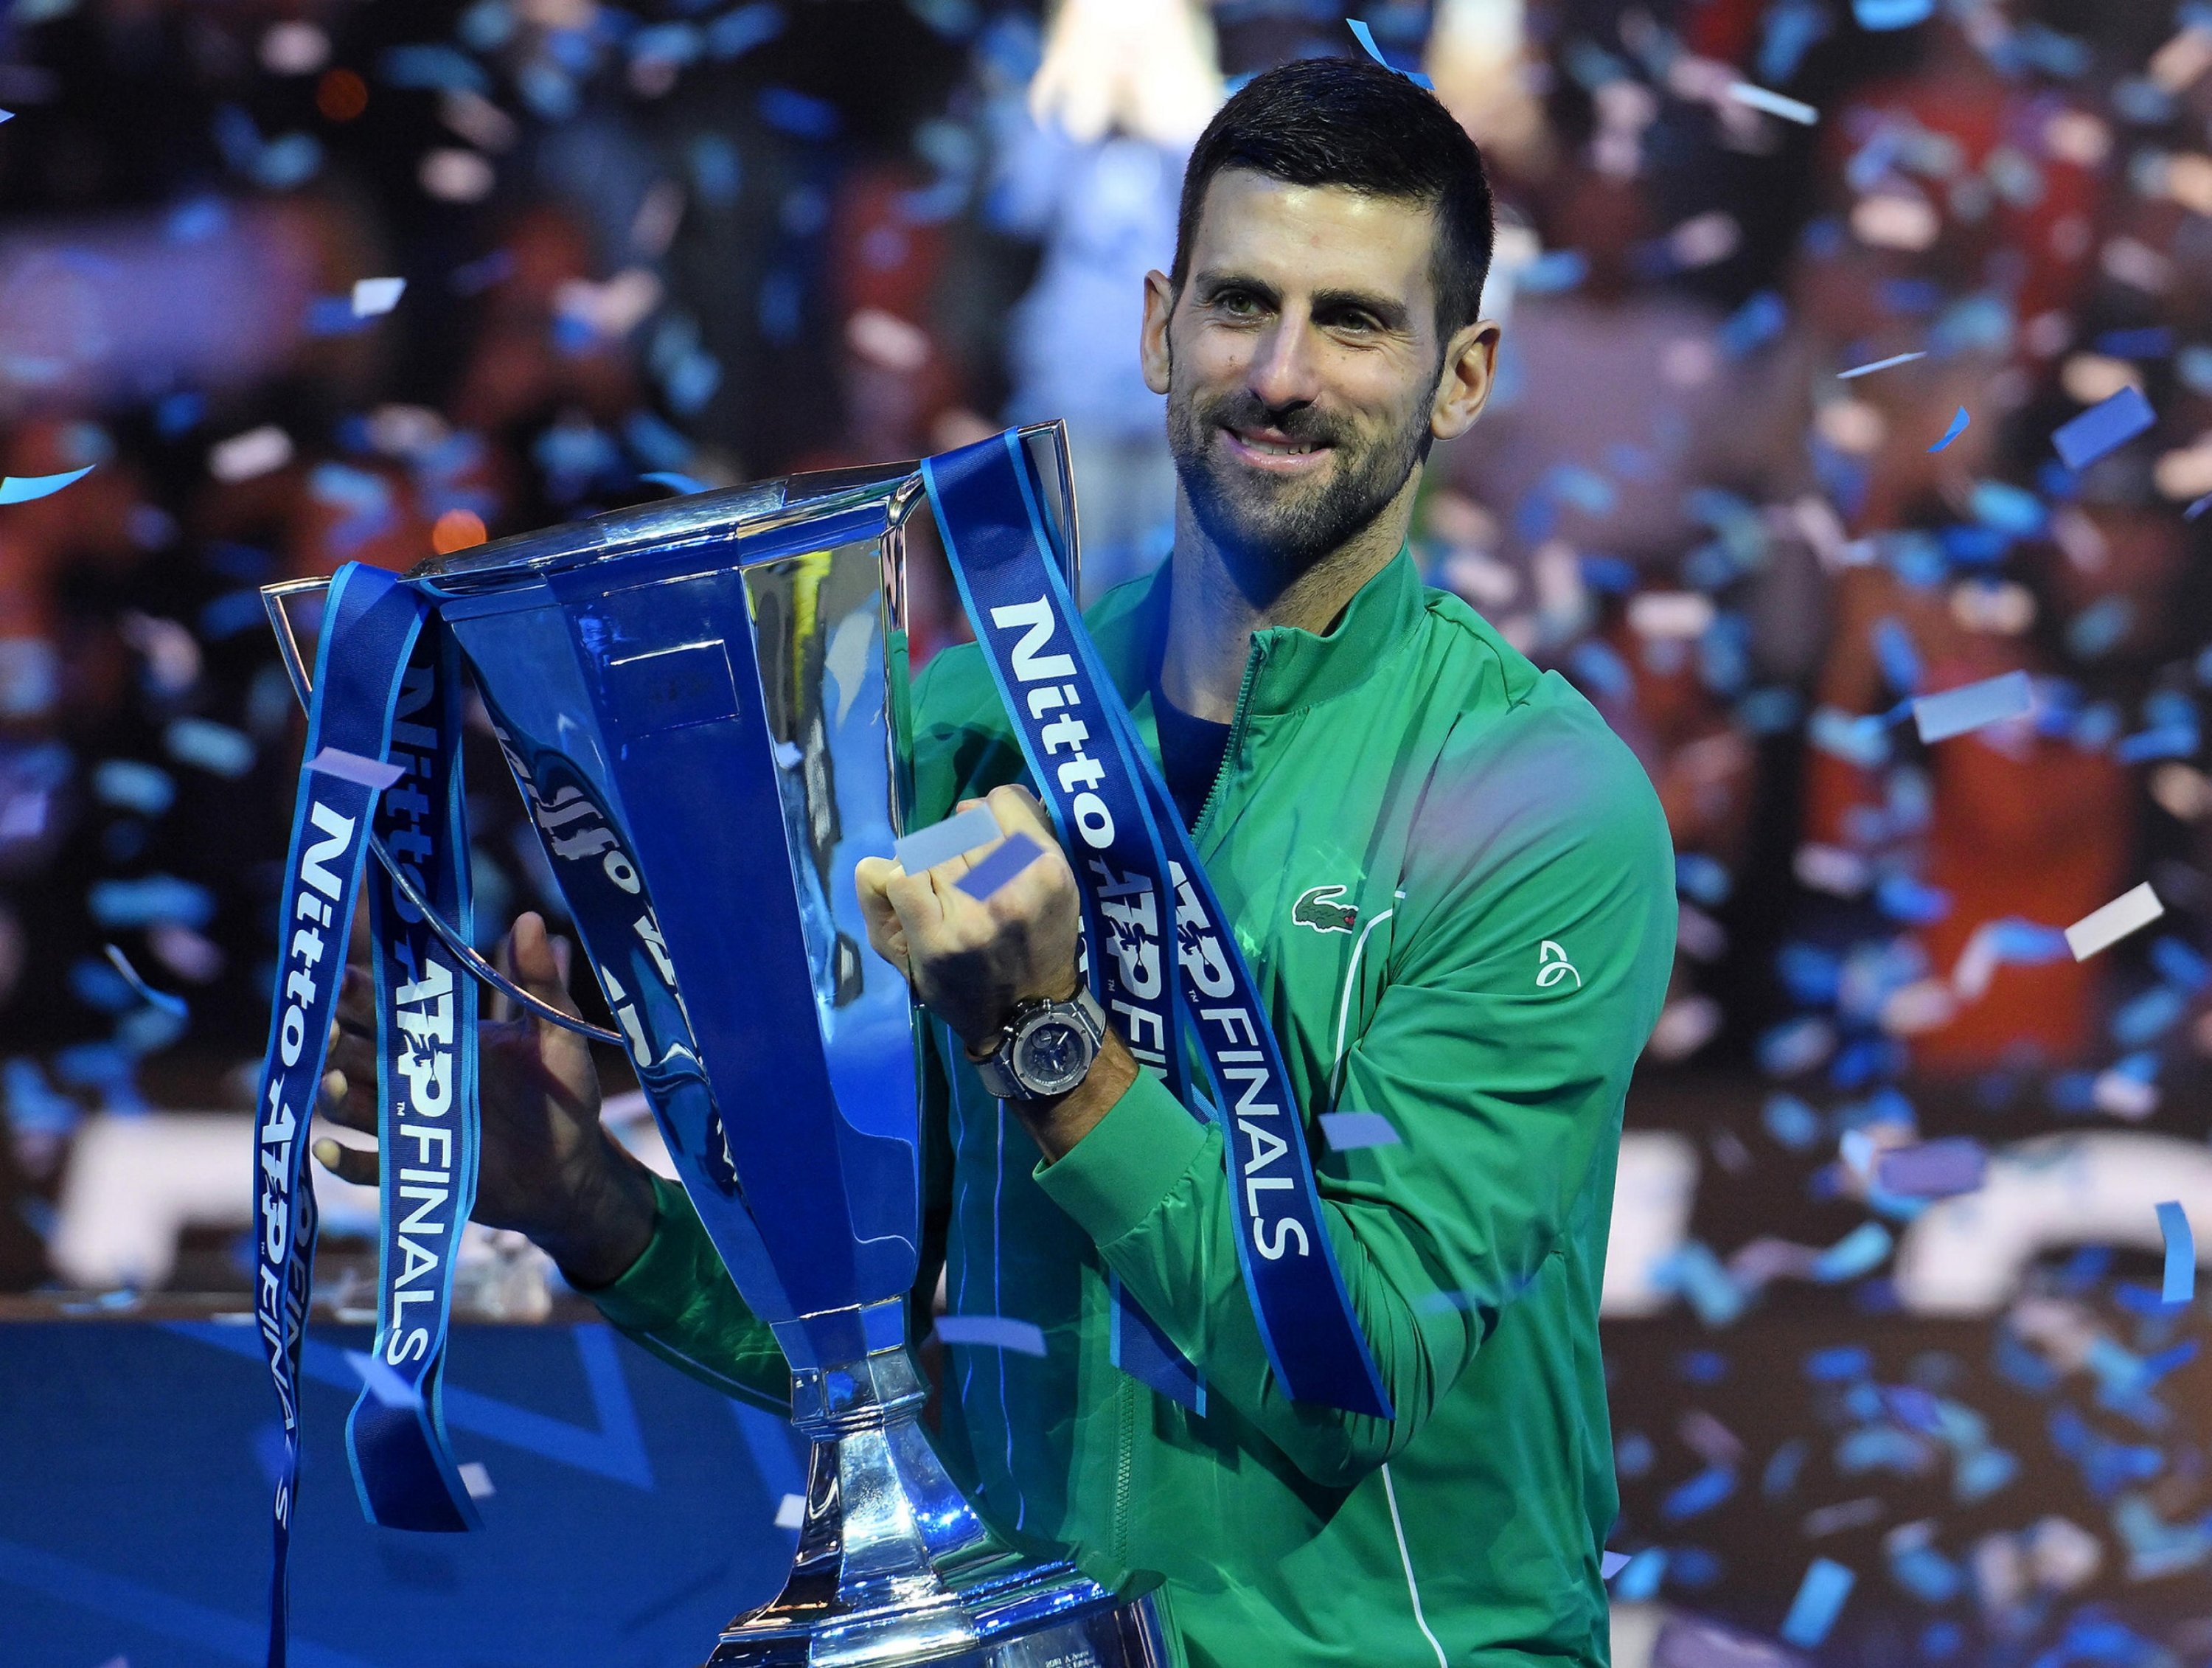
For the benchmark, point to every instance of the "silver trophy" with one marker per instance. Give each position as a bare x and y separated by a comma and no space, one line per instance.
705,703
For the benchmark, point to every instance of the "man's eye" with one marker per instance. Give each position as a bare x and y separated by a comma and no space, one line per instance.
1237,302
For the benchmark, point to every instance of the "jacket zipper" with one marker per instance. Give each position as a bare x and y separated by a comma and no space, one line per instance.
1252,663
1125,1463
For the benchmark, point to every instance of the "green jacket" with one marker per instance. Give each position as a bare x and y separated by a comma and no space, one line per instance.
1454,887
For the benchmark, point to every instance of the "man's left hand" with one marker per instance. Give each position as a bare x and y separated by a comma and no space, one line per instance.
970,960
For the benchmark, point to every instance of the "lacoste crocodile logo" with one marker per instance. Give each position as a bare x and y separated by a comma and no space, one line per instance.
1317,907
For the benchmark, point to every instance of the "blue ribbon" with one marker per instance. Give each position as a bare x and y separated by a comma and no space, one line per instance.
1131,856
370,626
426,1022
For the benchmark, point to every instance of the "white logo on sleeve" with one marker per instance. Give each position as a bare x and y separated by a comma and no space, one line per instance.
1553,966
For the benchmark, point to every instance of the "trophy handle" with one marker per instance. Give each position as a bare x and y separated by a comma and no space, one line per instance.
274,598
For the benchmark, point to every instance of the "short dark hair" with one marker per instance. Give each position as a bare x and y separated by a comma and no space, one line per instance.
1350,122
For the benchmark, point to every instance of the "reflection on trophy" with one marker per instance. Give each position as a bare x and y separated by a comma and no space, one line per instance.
704,704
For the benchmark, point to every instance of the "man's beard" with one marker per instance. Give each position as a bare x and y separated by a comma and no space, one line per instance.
1273,530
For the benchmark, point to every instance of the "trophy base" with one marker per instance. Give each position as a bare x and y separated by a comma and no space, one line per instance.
895,1569
1047,1618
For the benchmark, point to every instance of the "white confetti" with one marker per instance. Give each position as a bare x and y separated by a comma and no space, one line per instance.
254,452
374,296
2100,929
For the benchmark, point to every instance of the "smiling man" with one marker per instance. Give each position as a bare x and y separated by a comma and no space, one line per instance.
1454,887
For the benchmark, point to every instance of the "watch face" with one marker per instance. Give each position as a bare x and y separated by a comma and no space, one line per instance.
1051,1057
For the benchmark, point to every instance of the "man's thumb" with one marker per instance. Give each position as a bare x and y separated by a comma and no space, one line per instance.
537,965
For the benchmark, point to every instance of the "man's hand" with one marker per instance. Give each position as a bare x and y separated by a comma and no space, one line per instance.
548,1166
970,961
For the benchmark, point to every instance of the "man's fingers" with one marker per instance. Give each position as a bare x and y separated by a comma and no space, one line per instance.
872,881
537,965
356,1164
346,1098
357,1000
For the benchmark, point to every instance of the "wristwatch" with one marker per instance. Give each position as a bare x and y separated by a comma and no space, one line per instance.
1044,1048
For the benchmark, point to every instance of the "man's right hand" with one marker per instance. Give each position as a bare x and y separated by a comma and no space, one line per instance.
548,1166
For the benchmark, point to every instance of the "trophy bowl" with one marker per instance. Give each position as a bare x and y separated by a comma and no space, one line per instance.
704,702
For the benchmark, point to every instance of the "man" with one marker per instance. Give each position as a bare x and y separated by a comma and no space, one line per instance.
1457,890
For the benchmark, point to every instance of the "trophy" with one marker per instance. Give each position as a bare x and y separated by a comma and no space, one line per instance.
704,702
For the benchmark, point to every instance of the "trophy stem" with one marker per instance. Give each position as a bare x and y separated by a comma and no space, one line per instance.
895,1567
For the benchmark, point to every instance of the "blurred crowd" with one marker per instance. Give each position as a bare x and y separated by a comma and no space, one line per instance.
684,241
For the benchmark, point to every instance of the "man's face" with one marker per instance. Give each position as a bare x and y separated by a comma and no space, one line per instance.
1302,366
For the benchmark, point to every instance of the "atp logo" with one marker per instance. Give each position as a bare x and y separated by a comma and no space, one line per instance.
1553,966
1317,907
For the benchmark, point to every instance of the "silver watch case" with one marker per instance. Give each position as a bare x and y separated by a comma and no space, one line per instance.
1046,1048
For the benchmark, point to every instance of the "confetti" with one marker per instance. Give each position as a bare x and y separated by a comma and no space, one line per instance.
1958,427
1892,14
389,1389
1821,1595
1347,1132
1774,104
2180,1283
1365,37
1858,1252
22,489
372,296
991,1332
1610,1563
352,767
159,998
1933,1169
1882,365
674,481
790,1512
1001,865
1972,706
940,843
256,451
2100,929
2082,440
476,1479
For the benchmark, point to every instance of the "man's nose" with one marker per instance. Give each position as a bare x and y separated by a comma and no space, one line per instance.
1283,371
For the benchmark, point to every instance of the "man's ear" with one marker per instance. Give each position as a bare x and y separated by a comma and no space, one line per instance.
1152,349
1470,369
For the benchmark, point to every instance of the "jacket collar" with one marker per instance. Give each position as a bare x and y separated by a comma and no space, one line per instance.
1295,668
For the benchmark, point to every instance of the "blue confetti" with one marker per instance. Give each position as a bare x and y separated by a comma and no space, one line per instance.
1955,711
1892,14
1933,1169
1699,1494
214,747
2082,440
1365,37
674,481
149,901
1821,1595
1958,427
1347,1132
159,998
1001,865
1858,1252
1882,365
2181,1285
22,489
991,1332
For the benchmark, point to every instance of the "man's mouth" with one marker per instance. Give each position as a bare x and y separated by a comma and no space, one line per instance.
1273,450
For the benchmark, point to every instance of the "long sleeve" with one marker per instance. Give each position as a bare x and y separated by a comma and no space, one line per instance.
677,1301
1538,915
